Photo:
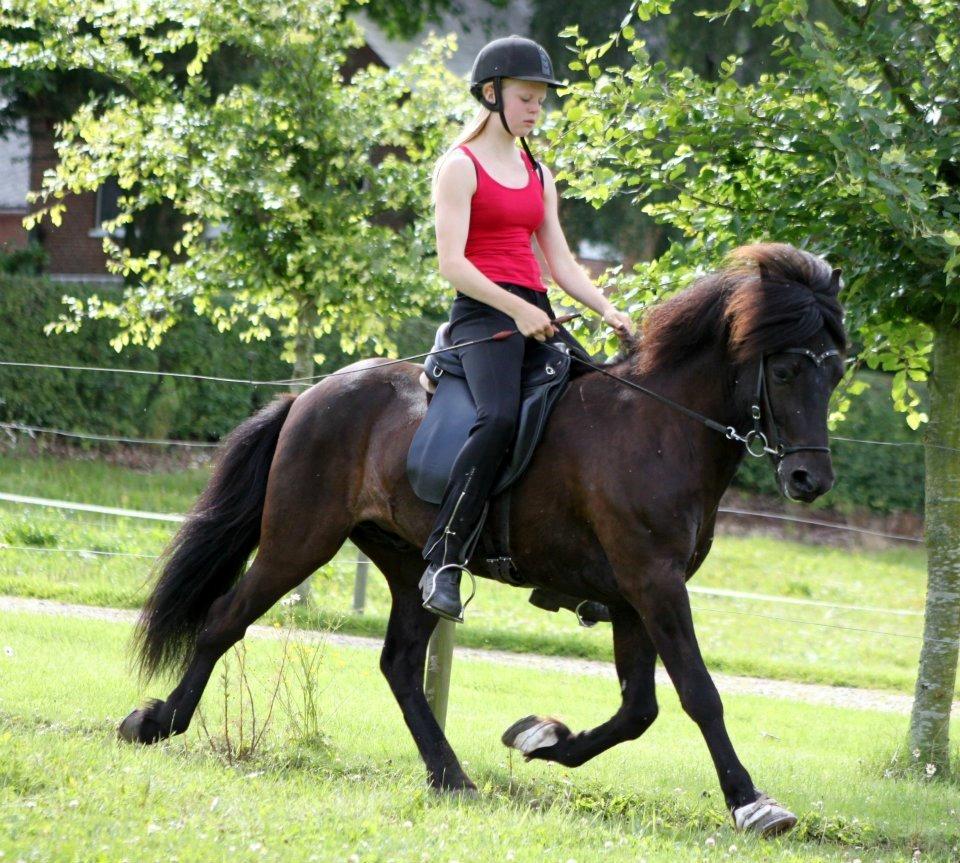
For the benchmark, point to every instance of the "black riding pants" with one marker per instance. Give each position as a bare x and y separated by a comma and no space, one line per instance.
494,372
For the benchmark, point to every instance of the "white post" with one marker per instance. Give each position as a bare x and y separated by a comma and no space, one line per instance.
360,583
439,664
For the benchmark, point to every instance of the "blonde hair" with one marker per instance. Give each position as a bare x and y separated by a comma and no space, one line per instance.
470,130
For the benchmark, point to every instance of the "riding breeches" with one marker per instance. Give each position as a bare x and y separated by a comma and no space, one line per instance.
494,373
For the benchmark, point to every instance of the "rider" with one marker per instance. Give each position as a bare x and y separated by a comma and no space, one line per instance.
490,197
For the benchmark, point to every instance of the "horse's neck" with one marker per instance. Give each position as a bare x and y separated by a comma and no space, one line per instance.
708,385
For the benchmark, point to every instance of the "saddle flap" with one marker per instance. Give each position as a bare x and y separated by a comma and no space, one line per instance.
452,413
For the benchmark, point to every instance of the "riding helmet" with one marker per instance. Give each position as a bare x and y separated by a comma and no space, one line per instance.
510,57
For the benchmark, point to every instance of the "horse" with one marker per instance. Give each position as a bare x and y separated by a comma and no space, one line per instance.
618,505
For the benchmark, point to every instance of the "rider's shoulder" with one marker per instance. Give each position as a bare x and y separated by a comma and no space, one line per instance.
457,168
457,160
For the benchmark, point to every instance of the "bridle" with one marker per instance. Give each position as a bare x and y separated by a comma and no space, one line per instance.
761,403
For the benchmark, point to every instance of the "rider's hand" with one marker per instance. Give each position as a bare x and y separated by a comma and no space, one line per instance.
533,321
620,322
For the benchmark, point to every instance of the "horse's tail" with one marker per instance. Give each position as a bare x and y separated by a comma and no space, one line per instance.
209,551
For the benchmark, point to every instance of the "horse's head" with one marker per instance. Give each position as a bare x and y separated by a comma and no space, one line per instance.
786,334
767,329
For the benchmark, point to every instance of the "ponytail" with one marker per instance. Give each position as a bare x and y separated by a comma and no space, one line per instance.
470,131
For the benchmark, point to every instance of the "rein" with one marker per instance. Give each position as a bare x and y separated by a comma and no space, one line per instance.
761,400
754,441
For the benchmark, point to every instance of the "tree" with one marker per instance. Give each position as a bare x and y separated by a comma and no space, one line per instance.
681,39
851,148
53,92
301,194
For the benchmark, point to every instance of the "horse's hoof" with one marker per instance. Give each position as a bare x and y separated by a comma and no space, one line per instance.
764,816
534,732
139,727
129,729
467,791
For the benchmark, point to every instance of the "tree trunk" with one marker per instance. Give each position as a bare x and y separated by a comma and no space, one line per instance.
304,345
930,719
303,349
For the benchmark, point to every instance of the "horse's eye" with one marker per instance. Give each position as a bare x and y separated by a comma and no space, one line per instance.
781,375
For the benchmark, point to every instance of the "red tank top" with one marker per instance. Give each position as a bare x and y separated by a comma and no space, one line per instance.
502,220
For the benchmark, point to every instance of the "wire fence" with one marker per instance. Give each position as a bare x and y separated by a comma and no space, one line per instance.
705,592
33,430
177,517
91,507
313,378
14,498
12,427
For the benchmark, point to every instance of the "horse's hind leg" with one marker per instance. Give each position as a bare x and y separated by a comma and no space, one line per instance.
402,663
268,578
550,740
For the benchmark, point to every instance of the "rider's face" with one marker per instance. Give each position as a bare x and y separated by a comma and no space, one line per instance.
522,103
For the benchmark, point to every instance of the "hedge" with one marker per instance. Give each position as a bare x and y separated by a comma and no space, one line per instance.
137,405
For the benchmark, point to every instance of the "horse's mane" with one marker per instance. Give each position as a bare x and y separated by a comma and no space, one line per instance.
767,296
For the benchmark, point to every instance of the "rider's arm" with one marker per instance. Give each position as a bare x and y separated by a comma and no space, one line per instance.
564,269
456,184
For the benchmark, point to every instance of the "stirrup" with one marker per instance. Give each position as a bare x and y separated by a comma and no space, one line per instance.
586,624
463,605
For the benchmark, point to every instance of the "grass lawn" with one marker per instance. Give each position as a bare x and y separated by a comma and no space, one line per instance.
350,786
737,636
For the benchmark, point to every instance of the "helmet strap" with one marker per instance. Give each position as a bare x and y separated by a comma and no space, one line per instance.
535,163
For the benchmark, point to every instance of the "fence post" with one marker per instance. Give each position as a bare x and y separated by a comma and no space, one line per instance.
360,583
439,662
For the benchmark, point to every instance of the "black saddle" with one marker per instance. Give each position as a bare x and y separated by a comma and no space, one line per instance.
452,413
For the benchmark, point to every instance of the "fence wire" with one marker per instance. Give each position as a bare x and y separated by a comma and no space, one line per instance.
708,592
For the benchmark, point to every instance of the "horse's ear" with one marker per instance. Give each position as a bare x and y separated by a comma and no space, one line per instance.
834,286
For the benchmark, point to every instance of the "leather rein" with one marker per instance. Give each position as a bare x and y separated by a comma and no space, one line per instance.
755,440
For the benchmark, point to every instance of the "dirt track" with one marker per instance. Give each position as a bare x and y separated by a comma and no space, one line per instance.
810,693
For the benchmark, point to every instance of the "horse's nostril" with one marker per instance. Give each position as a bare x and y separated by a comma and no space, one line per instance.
801,480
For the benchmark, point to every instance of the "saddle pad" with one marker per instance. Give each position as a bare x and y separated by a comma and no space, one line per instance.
451,415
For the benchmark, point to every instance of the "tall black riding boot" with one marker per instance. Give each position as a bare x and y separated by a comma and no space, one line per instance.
440,583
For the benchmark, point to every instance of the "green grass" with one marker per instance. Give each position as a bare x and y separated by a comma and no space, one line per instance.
70,791
92,480
737,636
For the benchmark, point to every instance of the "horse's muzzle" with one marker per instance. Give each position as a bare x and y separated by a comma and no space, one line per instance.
805,476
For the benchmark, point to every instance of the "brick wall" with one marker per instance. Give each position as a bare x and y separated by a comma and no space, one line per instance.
72,251
12,232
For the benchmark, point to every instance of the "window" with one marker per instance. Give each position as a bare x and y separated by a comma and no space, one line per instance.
107,208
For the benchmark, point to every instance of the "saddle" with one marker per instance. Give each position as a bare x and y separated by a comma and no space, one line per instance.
450,416
452,413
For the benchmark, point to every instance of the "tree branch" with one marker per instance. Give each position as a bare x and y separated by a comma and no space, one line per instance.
890,73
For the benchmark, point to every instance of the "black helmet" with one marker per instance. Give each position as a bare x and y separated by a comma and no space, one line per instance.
511,57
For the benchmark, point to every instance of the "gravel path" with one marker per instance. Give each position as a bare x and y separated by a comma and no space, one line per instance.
810,693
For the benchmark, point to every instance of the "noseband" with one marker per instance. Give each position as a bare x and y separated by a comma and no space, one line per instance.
755,441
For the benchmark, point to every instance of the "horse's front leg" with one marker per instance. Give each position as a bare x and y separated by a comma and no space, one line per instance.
661,598
550,740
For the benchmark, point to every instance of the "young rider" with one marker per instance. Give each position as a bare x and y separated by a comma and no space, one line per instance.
490,198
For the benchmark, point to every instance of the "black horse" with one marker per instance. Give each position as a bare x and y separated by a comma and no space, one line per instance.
618,505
